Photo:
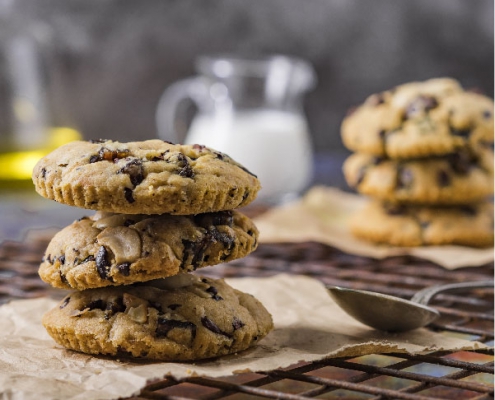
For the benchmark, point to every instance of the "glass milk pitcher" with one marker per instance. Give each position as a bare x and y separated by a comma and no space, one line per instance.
250,109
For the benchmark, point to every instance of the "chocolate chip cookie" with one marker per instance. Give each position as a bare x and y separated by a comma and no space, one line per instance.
401,225
419,119
149,177
458,178
182,318
119,249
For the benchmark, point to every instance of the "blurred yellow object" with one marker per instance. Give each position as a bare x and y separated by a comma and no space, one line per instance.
62,135
16,167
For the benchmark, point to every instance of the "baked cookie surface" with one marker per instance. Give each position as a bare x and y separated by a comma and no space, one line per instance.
118,249
182,318
419,119
149,177
458,178
401,225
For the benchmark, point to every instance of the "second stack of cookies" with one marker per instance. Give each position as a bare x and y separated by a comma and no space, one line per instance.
424,153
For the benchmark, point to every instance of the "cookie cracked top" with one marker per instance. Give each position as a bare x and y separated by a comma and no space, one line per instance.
117,249
149,177
419,119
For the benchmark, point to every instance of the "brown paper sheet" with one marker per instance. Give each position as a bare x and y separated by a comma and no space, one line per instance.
308,326
322,216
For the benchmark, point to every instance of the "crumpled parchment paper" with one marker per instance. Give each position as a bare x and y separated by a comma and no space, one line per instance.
322,216
308,326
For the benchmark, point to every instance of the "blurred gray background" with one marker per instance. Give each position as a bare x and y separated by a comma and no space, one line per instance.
110,60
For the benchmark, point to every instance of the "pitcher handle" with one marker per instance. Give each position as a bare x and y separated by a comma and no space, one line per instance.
194,89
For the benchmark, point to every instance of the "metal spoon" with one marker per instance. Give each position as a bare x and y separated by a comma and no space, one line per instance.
393,314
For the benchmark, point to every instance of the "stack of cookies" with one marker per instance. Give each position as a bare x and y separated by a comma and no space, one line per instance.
163,211
424,152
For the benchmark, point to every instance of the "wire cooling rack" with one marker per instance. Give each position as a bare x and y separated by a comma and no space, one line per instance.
437,375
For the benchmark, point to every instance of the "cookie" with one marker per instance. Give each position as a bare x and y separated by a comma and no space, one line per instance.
150,177
118,249
419,119
458,178
183,318
401,225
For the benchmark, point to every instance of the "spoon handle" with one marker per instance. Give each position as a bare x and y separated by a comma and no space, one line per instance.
424,296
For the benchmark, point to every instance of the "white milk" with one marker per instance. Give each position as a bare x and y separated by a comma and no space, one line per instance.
274,145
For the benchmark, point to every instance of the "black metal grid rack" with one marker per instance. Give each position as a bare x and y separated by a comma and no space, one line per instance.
437,375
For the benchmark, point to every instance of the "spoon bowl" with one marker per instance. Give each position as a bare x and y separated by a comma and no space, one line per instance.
393,314
381,311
